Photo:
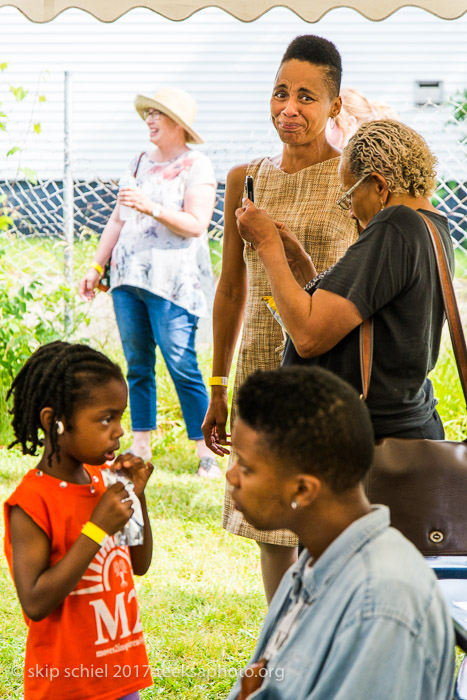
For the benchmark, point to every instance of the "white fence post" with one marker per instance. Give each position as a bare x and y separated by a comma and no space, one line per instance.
68,217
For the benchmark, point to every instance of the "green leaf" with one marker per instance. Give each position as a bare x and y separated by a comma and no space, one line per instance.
42,98
13,150
3,66
37,128
19,93
5,222
30,175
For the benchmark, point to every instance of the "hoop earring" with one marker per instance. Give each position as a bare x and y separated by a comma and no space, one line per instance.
333,122
59,427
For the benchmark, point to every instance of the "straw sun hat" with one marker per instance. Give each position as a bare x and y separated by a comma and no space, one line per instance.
176,104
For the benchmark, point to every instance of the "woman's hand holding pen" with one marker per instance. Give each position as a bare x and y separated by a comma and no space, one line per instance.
255,225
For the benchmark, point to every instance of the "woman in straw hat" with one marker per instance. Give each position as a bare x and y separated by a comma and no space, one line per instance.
157,239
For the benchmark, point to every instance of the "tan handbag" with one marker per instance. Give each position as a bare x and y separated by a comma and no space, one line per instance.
424,482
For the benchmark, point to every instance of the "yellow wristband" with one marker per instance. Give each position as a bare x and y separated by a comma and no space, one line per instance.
94,532
97,267
218,381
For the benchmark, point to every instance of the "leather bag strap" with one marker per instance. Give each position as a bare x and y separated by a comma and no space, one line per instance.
450,304
451,310
366,355
138,162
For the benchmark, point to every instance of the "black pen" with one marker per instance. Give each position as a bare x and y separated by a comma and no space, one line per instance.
249,188
251,196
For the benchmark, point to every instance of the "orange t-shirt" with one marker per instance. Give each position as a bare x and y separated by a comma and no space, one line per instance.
90,646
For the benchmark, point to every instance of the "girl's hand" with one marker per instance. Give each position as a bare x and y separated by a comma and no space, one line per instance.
136,469
113,510
88,284
135,198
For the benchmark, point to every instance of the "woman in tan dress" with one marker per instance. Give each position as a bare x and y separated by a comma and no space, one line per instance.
299,187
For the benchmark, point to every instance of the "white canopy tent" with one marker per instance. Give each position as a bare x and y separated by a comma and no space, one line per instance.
245,10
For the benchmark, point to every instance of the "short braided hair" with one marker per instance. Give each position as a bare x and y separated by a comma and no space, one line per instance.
62,376
395,151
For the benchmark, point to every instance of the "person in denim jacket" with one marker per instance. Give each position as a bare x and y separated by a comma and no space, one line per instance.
360,616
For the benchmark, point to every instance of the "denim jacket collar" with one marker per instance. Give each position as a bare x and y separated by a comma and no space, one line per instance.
336,556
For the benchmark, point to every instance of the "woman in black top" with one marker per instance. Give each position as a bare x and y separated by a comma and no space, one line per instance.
387,174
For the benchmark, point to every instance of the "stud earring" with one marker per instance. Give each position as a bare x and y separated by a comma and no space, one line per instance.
59,427
294,505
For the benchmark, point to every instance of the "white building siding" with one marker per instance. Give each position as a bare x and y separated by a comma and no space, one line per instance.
229,66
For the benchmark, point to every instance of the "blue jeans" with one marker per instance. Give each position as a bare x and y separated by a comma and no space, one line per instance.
145,321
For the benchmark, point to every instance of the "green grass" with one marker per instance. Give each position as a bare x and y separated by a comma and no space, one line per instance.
460,256
448,391
201,601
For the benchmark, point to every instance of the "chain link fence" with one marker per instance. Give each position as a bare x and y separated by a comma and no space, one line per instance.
34,246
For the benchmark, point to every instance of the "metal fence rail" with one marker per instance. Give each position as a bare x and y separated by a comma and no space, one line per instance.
34,243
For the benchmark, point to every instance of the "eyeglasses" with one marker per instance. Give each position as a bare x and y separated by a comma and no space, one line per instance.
153,113
345,202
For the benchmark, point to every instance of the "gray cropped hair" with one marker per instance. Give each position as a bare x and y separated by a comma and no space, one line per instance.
396,152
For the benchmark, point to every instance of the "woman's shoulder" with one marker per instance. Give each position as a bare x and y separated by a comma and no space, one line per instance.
239,172
237,175
259,163
138,158
406,219
196,156
198,167
400,227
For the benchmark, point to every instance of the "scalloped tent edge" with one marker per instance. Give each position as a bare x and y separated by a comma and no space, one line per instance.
244,10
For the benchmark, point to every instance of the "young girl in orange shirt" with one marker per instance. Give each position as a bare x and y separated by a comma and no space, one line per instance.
73,576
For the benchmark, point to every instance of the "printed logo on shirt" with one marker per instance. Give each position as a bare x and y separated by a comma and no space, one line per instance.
110,563
110,570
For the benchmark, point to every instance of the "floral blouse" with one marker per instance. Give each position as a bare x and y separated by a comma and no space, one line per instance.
149,256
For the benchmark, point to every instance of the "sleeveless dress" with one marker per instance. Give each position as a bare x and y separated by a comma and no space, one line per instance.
306,202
